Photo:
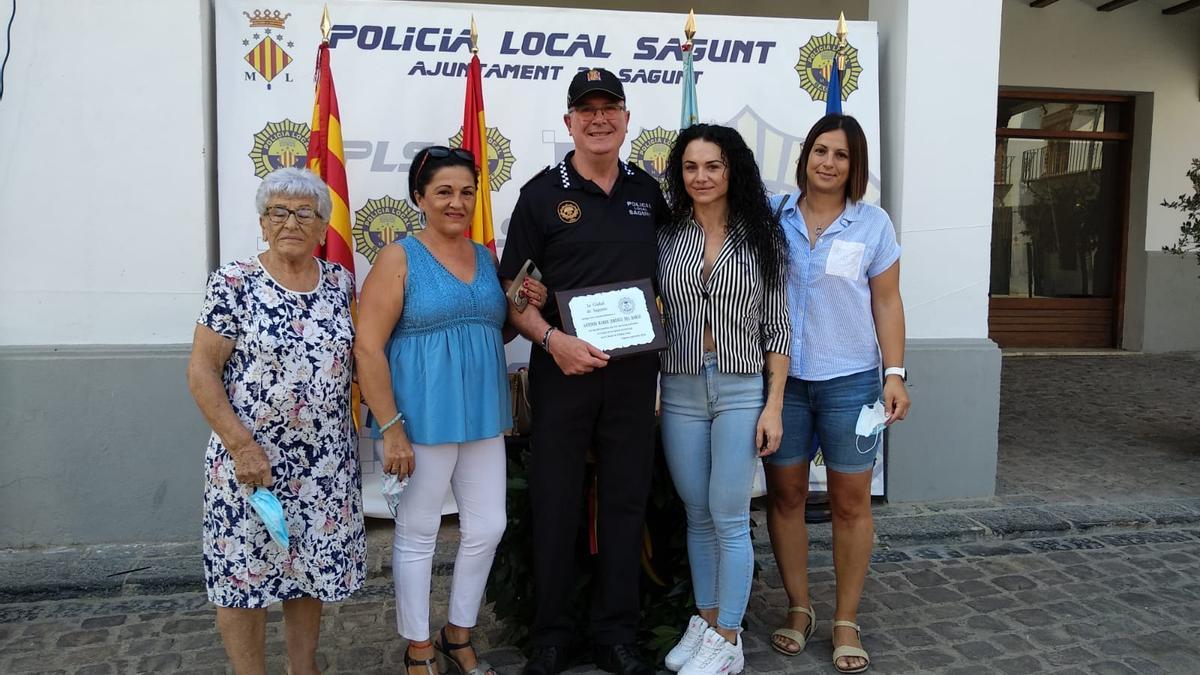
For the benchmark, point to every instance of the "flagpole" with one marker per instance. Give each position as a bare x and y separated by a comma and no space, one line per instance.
474,139
842,32
689,110
833,92
327,159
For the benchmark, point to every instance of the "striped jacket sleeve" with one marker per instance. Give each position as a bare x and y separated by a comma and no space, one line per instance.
776,322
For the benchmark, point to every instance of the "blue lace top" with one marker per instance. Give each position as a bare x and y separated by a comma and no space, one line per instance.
446,352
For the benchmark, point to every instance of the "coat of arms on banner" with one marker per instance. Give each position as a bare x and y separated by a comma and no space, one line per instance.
816,61
651,149
500,156
280,144
383,221
267,57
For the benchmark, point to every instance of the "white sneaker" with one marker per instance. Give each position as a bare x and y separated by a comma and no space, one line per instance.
683,652
716,656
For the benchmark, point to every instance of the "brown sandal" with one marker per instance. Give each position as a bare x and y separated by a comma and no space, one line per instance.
443,646
410,662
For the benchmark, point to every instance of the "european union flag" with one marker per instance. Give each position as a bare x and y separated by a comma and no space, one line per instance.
833,97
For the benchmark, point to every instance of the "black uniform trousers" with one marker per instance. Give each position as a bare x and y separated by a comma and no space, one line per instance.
611,411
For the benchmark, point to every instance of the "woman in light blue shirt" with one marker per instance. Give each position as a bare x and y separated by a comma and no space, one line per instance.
846,312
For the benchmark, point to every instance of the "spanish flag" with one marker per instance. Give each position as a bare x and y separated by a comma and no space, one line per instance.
327,159
475,140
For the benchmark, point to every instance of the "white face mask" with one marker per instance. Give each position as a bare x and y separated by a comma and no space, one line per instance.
872,420
391,489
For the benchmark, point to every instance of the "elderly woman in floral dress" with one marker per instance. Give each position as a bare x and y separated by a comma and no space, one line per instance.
270,370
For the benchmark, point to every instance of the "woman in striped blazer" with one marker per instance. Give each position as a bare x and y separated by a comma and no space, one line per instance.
722,262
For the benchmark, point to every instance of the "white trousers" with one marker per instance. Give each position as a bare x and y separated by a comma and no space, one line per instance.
475,471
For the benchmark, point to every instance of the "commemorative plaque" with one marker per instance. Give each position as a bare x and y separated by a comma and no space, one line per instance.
619,319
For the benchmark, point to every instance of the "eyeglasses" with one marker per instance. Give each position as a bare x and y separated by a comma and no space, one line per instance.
279,215
587,113
442,152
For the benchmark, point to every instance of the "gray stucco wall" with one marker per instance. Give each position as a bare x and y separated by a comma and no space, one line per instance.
98,445
946,448
1172,308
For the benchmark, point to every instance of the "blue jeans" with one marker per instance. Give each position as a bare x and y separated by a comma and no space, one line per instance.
708,424
830,409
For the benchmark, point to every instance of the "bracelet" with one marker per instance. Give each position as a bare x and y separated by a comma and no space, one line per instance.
398,418
546,338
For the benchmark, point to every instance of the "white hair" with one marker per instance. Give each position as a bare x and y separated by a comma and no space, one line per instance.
293,182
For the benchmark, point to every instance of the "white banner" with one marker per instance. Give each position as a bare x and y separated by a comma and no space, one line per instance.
400,72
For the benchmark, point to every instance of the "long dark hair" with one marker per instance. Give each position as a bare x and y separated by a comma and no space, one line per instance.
748,204
856,183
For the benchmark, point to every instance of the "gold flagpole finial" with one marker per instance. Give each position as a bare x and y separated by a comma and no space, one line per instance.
326,25
689,29
474,36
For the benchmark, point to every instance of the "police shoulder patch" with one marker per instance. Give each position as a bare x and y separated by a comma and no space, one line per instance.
536,176
636,171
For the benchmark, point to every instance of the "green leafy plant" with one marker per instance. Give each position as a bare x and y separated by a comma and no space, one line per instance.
666,585
1189,231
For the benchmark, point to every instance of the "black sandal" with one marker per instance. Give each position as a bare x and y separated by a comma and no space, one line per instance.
443,646
409,661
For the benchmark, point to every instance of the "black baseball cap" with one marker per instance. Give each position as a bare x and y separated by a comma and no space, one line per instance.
594,80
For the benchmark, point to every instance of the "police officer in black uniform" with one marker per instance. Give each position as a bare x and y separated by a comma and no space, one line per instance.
588,220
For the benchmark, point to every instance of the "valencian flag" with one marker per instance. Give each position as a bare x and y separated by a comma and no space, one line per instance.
475,140
327,159
689,112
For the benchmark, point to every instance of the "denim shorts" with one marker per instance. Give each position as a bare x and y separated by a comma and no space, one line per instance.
829,409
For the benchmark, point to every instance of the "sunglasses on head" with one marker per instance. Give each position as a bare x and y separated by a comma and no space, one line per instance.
442,152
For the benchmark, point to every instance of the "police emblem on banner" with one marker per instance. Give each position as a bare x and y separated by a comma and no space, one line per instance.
381,222
267,57
816,61
651,149
280,144
500,156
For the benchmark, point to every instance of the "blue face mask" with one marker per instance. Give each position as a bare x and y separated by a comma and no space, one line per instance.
267,506
872,420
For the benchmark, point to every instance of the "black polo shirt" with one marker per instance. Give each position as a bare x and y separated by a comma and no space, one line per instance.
578,236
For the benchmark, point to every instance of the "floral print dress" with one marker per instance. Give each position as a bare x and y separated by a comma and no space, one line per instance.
288,379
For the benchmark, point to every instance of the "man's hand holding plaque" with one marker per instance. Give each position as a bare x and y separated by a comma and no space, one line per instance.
614,319
574,356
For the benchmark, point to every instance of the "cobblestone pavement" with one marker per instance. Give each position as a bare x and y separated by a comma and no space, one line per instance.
1099,428
1109,603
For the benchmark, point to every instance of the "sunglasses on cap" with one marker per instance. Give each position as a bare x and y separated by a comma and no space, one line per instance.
442,152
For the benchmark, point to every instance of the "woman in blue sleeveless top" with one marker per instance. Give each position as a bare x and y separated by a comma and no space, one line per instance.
430,354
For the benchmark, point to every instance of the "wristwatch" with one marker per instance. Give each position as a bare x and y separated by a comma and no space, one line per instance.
896,370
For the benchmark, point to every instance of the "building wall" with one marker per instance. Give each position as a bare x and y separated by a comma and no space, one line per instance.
106,211
103,176
937,186
1133,50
